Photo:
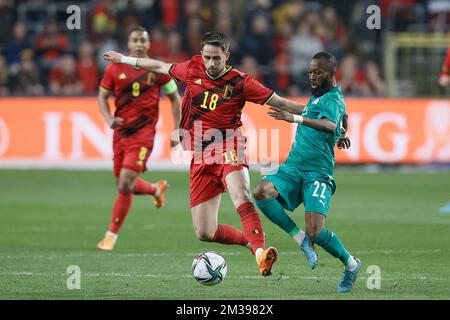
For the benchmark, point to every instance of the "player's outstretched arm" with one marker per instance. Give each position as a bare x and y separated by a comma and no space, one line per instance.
145,63
283,104
323,124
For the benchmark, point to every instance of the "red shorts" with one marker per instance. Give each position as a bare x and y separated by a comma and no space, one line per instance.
132,152
208,180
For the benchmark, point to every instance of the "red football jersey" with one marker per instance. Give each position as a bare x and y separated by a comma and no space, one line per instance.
136,93
217,102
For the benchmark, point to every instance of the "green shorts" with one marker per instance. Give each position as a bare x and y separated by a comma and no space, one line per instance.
296,186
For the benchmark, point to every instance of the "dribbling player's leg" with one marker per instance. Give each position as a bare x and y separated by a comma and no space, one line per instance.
265,195
238,185
207,228
330,242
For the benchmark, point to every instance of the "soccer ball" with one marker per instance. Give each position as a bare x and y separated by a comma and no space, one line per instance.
209,268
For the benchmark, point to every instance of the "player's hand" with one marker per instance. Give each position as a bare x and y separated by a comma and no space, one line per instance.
343,143
444,80
115,122
113,56
281,115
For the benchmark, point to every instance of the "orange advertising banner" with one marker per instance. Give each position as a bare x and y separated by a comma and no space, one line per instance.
70,132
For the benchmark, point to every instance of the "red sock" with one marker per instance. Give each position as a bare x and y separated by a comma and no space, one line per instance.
227,234
120,210
251,225
142,186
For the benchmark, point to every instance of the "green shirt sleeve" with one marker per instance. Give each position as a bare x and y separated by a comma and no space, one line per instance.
329,110
170,87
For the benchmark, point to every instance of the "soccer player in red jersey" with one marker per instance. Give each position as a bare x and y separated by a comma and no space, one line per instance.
136,92
213,100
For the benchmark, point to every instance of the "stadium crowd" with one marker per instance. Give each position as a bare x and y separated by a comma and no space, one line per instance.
272,40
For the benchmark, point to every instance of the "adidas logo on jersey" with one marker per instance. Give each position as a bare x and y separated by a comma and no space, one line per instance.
198,81
122,76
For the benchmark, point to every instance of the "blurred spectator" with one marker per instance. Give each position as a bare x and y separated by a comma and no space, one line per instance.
400,13
194,35
51,44
250,67
291,12
175,52
87,68
335,30
4,77
63,79
127,17
257,42
283,36
281,66
17,46
102,22
351,78
170,13
108,45
375,82
27,80
7,17
158,43
301,48
439,13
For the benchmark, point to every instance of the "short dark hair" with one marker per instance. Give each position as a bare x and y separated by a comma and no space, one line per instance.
136,28
331,60
217,39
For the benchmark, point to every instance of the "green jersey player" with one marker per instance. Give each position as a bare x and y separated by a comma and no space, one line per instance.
307,175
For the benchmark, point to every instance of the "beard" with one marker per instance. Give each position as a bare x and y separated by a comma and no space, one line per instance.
322,89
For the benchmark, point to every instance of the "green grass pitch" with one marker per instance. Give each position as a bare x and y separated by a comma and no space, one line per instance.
50,220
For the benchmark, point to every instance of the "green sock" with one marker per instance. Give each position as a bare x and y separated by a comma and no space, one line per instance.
331,243
273,210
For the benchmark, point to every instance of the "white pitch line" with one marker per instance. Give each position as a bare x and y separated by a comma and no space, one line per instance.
243,277
193,254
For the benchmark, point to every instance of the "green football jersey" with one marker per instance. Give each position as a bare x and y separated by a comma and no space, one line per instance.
313,150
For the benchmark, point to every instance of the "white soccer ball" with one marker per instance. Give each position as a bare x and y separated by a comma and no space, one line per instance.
209,268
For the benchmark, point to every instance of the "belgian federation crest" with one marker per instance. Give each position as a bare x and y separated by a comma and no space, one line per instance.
228,91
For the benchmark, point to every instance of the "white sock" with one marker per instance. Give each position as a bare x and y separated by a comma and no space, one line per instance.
248,245
158,191
351,264
299,236
112,235
258,251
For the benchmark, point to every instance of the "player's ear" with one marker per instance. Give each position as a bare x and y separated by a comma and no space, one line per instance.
227,55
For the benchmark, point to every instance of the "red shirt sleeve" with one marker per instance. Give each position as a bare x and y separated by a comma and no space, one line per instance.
180,70
164,79
255,91
446,65
108,79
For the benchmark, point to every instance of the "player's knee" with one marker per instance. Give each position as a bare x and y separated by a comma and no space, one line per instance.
261,192
125,184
